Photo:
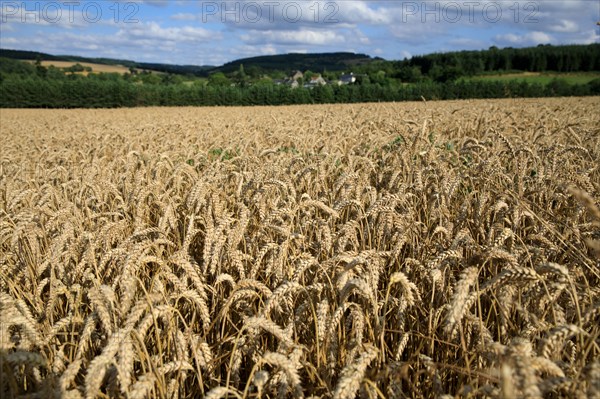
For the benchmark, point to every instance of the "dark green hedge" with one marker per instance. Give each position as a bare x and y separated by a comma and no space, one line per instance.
34,92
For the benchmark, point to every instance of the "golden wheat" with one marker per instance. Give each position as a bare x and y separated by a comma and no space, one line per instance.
338,251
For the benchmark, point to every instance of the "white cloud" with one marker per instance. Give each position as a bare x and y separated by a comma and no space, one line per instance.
51,15
299,50
467,43
359,12
181,32
245,51
153,30
156,3
405,54
302,37
564,25
288,14
5,27
182,16
585,37
9,41
417,33
528,39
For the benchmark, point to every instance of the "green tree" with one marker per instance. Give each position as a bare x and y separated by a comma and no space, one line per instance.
149,78
10,66
171,79
253,72
218,79
75,68
242,78
379,78
41,70
410,74
54,73
266,81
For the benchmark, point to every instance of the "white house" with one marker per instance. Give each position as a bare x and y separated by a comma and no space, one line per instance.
347,79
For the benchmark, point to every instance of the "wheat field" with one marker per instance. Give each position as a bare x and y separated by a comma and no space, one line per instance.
415,250
96,68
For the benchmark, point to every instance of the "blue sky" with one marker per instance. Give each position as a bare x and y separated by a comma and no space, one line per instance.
215,32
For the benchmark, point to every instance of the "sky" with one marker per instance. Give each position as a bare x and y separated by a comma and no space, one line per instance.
215,32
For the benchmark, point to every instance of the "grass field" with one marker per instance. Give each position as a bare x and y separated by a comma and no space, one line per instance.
542,78
414,250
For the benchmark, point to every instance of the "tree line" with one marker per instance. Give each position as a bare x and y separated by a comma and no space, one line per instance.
94,93
442,67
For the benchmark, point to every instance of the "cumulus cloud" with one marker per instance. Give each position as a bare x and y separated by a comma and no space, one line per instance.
292,14
466,43
9,41
564,25
156,3
588,36
6,28
52,14
530,38
184,16
405,54
361,12
244,51
303,37
186,31
153,30
61,43
416,34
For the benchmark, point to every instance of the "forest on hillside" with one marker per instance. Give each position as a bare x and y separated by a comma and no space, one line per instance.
246,82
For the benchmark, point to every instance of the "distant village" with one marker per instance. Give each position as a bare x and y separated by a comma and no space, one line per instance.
299,79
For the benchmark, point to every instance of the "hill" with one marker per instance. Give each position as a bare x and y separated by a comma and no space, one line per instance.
541,58
166,68
34,55
436,66
295,61
317,62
